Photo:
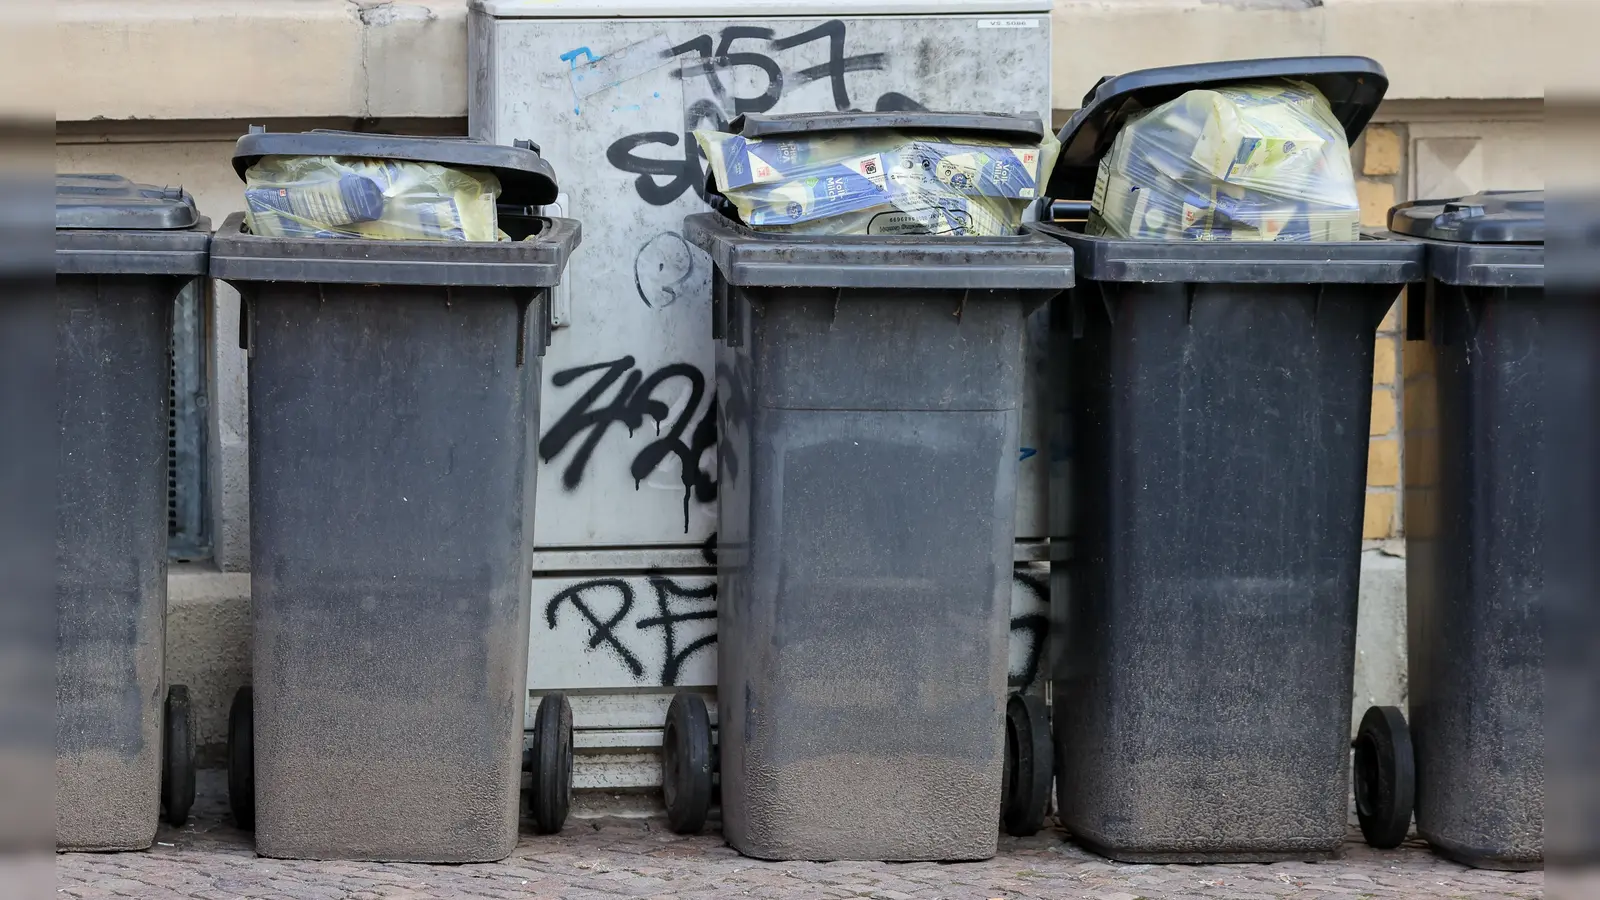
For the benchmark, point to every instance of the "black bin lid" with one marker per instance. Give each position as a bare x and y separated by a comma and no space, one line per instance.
113,203
1491,217
1354,86
525,178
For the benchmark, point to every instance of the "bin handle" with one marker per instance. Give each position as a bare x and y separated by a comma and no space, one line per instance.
725,305
522,331
1417,312
525,301
719,307
244,320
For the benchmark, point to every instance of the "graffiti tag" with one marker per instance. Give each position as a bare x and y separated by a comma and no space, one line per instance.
710,60
631,403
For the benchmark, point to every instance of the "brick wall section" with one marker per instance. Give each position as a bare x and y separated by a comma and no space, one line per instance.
1383,513
1379,157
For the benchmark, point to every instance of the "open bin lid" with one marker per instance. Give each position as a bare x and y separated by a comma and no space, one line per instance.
1353,86
108,225
113,203
1490,239
525,178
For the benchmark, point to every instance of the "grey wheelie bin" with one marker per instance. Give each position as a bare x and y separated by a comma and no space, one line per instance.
124,750
1219,398
1570,488
1491,369
393,397
870,391
29,458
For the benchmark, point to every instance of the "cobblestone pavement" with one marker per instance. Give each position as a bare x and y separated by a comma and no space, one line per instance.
208,859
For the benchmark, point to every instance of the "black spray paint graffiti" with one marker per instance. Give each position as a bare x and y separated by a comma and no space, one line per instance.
629,406
1035,625
671,600
666,269
677,604
712,59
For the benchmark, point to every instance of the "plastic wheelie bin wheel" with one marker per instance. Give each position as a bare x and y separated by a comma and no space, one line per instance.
242,758
177,759
686,764
1029,766
1385,777
551,765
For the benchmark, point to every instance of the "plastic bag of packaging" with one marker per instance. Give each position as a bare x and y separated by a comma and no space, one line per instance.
1259,162
386,200
882,182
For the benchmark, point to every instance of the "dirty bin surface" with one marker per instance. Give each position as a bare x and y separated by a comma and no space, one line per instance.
123,253
1216,399
1493,371
868,482
391,499
393,411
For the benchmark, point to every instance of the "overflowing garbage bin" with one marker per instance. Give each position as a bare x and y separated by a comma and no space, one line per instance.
393,393
124,745
1219,394
1490,378
868,388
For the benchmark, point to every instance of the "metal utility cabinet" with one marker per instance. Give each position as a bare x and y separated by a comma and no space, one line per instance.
624,597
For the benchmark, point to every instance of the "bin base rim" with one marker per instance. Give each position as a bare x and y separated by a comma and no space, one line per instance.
421,853
778,856
111,847
1199,857
1482,859
426,859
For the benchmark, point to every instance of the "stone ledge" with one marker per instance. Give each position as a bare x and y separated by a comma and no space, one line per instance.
257,59
1418,41
191,584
